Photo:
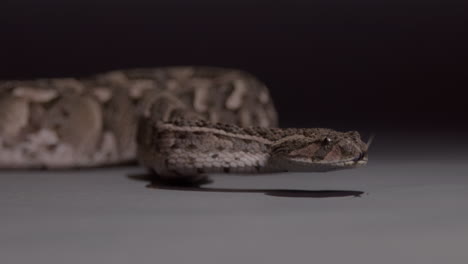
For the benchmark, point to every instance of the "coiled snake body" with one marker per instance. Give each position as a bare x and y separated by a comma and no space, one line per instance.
178,121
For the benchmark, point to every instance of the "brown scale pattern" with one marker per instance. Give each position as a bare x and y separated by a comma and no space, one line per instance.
111,103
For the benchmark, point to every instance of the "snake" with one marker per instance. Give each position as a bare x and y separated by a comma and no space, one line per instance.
180,122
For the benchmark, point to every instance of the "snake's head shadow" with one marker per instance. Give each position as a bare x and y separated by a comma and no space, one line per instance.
328,150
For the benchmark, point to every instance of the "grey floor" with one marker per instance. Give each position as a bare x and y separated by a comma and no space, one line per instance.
401,208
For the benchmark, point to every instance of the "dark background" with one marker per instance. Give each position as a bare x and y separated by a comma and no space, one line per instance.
369,65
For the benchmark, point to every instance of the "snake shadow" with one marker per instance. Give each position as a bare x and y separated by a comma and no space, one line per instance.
157,183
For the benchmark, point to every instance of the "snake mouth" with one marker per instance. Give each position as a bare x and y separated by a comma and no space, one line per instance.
358,161
307,165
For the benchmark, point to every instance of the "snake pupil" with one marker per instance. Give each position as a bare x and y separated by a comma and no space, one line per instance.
326,141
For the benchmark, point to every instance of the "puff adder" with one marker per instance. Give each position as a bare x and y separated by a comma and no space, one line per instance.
178,121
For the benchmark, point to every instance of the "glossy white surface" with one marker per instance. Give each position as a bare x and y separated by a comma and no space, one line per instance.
411,212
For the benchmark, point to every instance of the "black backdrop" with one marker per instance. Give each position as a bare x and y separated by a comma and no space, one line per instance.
375,65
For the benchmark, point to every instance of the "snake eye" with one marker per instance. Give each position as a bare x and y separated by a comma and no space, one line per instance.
326,141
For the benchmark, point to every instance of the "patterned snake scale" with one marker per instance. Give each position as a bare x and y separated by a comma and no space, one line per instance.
177,121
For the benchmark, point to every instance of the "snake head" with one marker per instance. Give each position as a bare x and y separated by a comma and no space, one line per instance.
320,150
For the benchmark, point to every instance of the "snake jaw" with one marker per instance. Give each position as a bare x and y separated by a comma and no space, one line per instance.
307,165
336,151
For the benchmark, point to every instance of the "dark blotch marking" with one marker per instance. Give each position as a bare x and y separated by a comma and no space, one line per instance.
191,146
200,170
51,147
214,156
31,155
174,146
227,170
192,160
220,148
65,113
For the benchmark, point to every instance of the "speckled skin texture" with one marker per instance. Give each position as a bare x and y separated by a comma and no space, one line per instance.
69,122
178,121
183,148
